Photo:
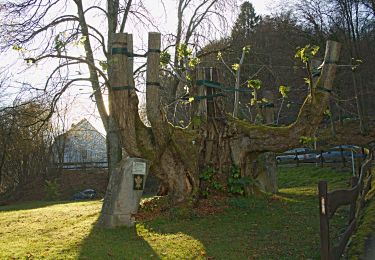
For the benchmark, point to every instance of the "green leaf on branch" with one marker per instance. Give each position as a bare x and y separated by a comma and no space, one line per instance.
82,40
307,81
18,48
183,51
356,64
254,83
30,60
103,65
328,113
307,140
193,62
253,101
307,53
246,49
165,58
219,55
59,43
284,90
235,66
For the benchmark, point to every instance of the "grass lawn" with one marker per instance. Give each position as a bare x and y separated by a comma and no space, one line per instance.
366,230
282,226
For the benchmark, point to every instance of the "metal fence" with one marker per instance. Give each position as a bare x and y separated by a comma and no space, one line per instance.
344,157
81,165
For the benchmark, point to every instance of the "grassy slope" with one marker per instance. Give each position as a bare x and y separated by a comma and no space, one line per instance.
366,227
283,226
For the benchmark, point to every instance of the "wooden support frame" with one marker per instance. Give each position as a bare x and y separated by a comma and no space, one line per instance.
329,202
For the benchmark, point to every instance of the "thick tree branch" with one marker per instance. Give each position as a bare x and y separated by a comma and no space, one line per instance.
92,69
259,138
125,17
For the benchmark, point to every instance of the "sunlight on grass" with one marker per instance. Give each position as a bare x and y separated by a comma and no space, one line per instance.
256,227
47,232
172,246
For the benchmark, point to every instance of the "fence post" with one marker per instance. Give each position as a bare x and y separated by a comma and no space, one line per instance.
324,221
321,158
297,160
342,156
353,204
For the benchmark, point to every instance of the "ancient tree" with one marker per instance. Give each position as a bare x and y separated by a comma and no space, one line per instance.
184,159
214,139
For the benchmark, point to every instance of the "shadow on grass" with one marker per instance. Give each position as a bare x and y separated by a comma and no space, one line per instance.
282,226
116,243
251,228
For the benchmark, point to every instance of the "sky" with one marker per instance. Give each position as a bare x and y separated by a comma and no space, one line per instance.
166,19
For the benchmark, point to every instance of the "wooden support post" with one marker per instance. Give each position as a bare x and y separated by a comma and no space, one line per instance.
119,66
152,78
210,91
154,112
268,110
202,91
342,156
353,204
130,64
122,92
297,160
324,221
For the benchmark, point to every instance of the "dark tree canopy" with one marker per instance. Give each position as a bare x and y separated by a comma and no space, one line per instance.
246,21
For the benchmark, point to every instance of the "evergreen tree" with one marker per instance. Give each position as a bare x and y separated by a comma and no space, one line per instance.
246,21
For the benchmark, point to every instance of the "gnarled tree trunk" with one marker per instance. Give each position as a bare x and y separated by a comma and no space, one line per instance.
215,140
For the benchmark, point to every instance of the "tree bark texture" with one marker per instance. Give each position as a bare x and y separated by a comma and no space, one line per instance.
217,140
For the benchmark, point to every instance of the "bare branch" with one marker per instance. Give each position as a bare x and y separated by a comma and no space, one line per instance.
125,16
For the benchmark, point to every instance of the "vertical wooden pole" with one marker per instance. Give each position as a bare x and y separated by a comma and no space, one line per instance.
113,135
297,160
269,108
152,78
154,112
321,158
130,64
353,204
119,65
202,91
125,100
325,253
342,156
210,91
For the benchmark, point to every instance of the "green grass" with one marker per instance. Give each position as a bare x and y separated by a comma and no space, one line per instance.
283,226
366,227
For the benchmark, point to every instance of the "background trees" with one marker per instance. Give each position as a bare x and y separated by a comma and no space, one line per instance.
25,146
352,23
273,41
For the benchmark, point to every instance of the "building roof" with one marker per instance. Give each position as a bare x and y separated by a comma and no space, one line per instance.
83,125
